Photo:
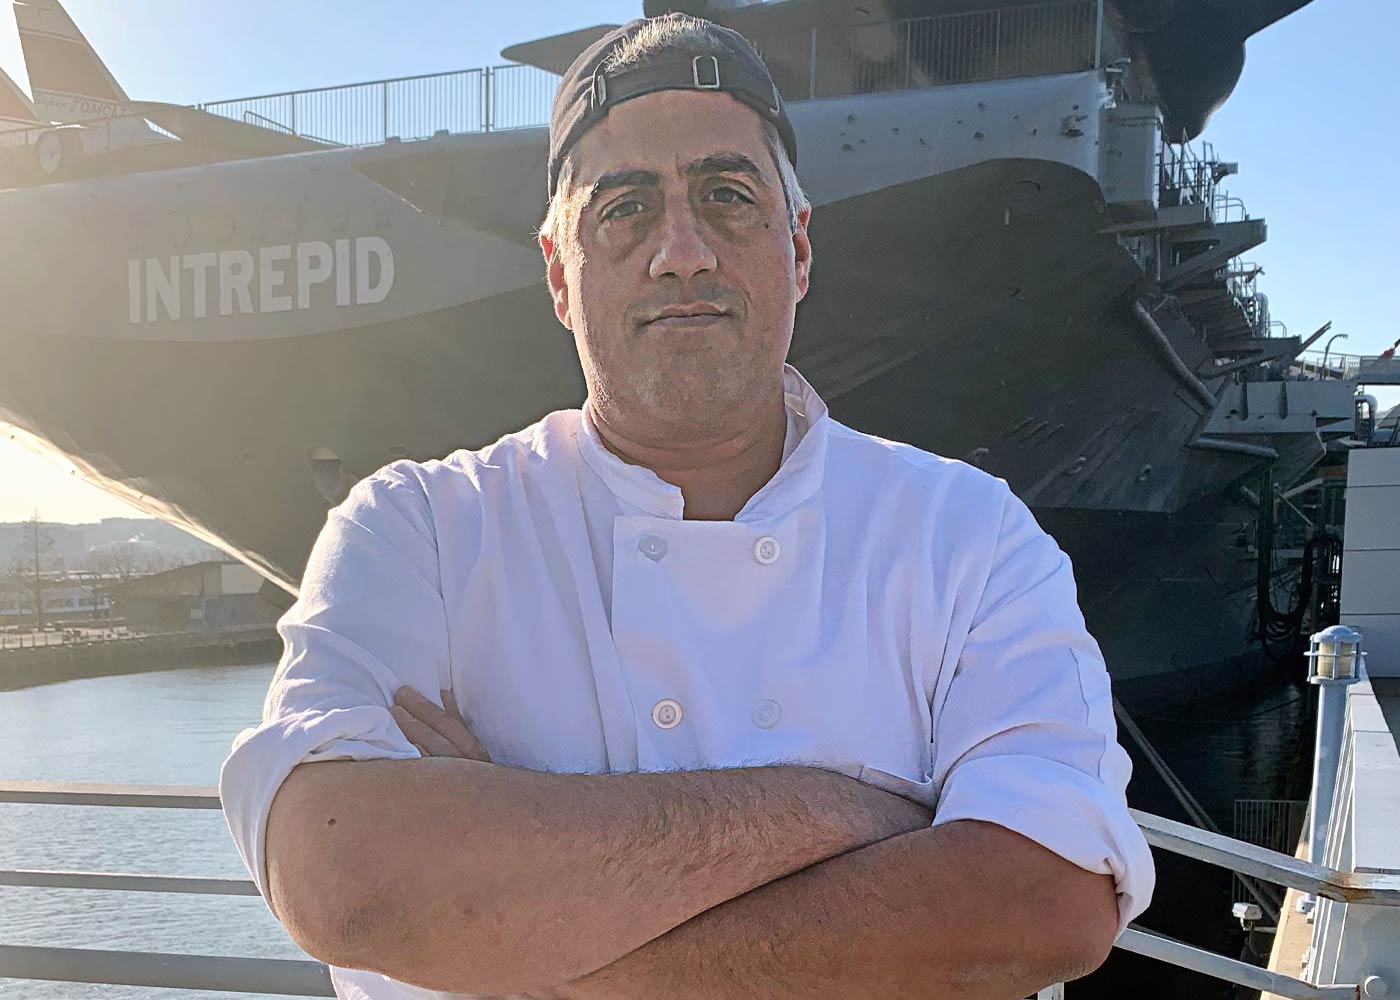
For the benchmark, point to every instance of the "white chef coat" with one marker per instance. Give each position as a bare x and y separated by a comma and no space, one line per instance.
874,609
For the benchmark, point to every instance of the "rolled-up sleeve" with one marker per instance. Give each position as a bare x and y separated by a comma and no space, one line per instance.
1024,736
369,619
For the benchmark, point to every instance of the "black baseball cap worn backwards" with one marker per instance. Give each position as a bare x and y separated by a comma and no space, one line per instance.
587,93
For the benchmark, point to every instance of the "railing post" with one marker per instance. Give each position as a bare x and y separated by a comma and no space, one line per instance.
1331,723
486,95
996,46
294,115
812,68
1098,37
908,52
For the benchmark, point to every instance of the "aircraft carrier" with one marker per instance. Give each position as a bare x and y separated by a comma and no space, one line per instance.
228,314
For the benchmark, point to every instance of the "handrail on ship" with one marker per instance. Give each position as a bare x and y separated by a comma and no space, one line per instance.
930,51
310,978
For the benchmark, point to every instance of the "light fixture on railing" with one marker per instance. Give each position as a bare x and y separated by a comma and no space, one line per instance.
1334,663
1335,656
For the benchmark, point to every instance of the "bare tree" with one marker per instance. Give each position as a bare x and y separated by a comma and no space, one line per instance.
34,558
124,560
94,580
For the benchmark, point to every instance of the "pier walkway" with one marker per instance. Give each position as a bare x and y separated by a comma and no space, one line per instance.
1355,811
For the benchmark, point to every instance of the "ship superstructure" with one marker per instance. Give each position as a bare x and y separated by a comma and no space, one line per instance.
1023,264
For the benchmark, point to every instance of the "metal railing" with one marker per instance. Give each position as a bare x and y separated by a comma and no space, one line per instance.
1273,823
32,640
1185,177
998,44
1225,207
1055,37
1369,369
1241,281
208,973
310,978
1058,36
1354,828
410,107
1330,365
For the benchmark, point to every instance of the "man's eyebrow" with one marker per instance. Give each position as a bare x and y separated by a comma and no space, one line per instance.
716,163
624,178
723,163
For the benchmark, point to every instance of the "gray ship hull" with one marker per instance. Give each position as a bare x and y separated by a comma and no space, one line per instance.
1002,334
1170,598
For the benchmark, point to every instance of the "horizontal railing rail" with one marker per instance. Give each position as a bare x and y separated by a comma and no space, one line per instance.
85,793
1332,365
159,970
34,879
287,977
1231,970
205,973
1375,888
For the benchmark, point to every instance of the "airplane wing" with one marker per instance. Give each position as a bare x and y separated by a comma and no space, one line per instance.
217,132
555,53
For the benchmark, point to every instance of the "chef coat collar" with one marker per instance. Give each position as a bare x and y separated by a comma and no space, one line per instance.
799,476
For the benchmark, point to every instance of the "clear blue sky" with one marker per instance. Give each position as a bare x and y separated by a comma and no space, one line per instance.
1311,124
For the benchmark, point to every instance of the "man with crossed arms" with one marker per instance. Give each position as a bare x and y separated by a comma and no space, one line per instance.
693,692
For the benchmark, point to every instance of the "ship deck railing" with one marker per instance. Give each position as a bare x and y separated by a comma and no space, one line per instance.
1365,369
995,43
289,977
1188,177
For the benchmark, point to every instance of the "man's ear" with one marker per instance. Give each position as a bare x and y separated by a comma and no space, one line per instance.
554,277
802,252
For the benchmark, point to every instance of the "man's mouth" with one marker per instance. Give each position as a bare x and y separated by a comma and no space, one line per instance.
699,314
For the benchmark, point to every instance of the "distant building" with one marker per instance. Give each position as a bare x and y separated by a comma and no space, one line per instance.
66,596
211,595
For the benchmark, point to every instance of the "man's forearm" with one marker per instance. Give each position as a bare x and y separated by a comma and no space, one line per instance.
964,910
471,877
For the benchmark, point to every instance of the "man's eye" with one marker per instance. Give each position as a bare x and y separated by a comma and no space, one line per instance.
622,210
730,196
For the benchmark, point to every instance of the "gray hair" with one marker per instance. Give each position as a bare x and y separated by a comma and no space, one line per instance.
659,37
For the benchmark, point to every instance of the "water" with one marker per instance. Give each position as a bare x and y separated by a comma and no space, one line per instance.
175,726
1247,744
171,727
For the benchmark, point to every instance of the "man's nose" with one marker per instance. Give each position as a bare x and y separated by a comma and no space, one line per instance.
684,248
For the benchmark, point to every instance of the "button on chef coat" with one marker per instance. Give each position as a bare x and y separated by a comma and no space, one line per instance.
873,609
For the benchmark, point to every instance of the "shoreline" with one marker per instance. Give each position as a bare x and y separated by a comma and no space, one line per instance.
33,667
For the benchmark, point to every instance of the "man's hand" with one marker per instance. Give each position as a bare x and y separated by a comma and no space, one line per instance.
434,731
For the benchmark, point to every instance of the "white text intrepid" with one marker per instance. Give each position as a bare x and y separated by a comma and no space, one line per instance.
269,279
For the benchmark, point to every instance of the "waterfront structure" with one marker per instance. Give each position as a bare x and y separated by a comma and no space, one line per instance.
211,595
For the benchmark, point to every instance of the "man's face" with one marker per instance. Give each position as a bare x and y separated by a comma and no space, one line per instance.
683,276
